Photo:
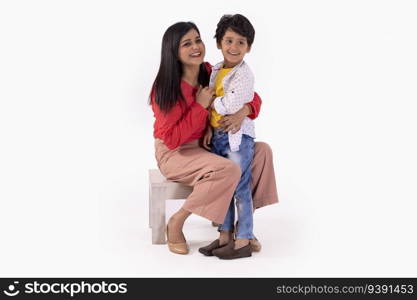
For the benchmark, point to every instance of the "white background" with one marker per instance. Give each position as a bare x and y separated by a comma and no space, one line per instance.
338,83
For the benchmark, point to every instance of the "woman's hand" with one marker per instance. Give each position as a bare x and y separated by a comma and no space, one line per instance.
205,96
234,122
207,138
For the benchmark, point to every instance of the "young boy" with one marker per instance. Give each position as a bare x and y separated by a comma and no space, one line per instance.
233,83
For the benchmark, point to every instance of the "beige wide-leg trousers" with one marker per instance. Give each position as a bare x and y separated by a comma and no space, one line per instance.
214,178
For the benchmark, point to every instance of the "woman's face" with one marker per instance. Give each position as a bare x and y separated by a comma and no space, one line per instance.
191,50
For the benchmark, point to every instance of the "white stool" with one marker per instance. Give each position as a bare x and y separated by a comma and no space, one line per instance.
161,190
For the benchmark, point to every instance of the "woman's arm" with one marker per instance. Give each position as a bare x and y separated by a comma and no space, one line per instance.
255,105
183,121
176,127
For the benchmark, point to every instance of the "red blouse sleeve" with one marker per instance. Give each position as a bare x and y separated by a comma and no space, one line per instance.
177,126
255,104
209,67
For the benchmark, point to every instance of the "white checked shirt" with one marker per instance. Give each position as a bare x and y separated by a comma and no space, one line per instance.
238,86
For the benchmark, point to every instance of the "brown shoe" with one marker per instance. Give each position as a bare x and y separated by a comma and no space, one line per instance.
214,224
208,250
229,251
255,244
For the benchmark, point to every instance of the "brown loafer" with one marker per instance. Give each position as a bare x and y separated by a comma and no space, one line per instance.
255,244
178,248
229,251
208,250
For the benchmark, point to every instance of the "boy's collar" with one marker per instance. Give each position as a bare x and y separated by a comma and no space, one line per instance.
220,65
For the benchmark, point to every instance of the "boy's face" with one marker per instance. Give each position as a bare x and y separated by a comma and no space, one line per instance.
234,47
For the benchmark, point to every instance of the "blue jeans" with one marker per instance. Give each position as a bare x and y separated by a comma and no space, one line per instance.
243,193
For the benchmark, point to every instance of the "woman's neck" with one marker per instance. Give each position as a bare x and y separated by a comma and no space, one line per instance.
190,74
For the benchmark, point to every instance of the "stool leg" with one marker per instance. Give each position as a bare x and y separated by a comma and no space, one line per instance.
158,195
150,203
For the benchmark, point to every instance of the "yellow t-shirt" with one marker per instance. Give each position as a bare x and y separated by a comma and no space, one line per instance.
219,91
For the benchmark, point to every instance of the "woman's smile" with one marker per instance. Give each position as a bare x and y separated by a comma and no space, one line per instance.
196,54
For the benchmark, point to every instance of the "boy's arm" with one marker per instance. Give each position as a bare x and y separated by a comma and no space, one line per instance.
238,94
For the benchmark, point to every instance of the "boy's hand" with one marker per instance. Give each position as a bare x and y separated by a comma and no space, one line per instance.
207,138
234,122
231,122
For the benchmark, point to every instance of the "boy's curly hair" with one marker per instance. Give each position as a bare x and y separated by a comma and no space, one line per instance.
239,24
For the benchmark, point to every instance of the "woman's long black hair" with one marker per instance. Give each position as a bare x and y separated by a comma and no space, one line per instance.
167,84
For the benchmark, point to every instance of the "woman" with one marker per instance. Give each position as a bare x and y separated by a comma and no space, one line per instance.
180,98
